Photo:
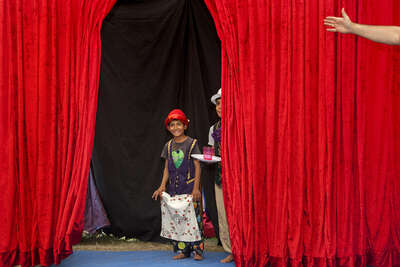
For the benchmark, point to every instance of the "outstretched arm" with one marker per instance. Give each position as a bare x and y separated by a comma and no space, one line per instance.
381,34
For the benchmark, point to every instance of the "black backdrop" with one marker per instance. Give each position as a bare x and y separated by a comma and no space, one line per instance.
156,55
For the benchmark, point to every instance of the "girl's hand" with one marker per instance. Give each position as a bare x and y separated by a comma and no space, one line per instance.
158,193
342,25
196,194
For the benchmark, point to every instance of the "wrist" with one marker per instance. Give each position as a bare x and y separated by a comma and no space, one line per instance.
354,28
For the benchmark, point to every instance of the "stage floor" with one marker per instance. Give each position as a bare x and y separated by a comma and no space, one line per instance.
138,259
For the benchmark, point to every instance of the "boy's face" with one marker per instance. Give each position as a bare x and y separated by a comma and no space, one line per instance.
177,128
218,107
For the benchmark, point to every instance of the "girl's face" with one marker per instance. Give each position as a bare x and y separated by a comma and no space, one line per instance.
218,107
177,128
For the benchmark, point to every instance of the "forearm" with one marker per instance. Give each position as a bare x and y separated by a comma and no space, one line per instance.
197,175
165,175
164,181
381,34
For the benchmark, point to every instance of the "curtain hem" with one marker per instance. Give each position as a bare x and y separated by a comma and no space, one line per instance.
44,257
376,259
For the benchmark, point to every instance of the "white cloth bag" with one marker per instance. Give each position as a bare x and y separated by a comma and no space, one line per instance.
178,218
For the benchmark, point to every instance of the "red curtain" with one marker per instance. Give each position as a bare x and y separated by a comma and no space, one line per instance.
49,67
311,131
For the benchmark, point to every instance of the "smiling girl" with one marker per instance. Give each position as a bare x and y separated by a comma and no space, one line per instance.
182,177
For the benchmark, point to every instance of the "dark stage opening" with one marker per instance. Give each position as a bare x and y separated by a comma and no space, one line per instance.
156,56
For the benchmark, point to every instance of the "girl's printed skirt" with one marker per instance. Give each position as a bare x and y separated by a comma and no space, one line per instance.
181,223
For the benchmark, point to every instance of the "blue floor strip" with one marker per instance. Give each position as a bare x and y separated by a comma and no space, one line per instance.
139,259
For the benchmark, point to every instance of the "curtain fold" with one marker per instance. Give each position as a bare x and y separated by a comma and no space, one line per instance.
310,134
49,67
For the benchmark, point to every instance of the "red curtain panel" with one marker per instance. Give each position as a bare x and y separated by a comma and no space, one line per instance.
49,67
310,134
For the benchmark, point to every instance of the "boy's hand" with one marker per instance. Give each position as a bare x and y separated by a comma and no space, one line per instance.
196,195
158,193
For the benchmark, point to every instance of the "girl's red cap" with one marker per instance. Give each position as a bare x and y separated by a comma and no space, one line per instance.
176,114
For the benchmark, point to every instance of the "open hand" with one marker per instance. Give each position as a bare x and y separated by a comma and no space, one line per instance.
342,25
